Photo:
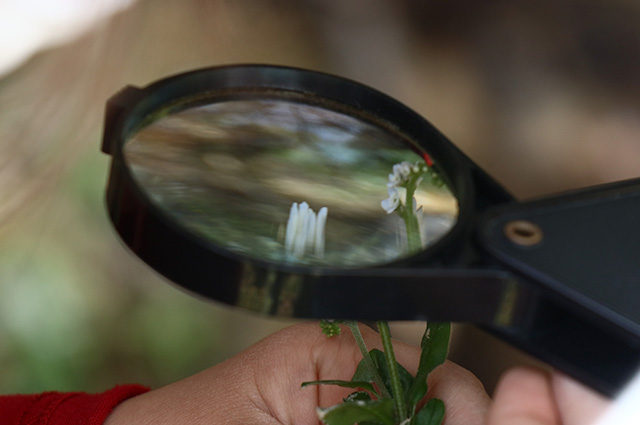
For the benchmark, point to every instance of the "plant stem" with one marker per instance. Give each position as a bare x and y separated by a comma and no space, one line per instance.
368,360
414,239
396,387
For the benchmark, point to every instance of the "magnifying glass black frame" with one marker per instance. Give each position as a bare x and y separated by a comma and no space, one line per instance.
559,277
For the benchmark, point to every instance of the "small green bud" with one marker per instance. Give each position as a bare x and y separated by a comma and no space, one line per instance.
330,327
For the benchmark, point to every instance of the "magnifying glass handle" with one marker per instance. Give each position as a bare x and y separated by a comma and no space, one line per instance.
487,297
581,249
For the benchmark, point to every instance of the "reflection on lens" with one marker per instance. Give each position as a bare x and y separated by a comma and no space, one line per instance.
290,182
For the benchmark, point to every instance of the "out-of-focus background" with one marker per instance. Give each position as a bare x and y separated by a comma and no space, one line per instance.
544,95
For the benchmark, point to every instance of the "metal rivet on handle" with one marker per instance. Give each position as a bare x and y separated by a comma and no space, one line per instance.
523,232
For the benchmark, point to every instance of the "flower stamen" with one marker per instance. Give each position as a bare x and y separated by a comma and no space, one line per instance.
305,231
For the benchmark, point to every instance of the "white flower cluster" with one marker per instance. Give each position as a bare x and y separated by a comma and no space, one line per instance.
305,231
402,173
392,202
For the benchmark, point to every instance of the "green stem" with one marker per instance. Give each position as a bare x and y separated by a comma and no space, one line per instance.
368,360
411,221
396,387
414,240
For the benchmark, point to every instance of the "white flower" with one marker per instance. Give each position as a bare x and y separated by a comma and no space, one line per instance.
403,171
390,204
394,180
405,179
305,231
321,222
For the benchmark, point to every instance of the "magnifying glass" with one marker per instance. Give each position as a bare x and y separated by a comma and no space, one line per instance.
301,194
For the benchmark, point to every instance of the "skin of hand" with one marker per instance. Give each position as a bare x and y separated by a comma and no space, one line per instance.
261,385
528,396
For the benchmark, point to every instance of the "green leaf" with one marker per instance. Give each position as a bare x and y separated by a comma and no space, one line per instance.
362,372
345,384
417,391
435,347
373,412
406,378
367,362
358,396
431,414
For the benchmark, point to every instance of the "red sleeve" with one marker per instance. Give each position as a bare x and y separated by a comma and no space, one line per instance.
55,408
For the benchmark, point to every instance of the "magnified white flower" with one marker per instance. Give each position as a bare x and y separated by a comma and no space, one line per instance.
390,204
321,222
404,171
404,179
404,174
305,231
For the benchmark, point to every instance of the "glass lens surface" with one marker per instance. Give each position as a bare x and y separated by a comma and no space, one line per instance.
291,182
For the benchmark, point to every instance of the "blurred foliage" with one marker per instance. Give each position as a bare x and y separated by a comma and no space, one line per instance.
77,311
71,319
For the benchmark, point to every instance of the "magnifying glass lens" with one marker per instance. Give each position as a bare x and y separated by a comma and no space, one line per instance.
290,181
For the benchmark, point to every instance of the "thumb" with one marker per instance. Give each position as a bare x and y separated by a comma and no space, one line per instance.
524,396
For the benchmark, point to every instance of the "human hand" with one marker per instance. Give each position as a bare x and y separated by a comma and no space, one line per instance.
261,385
527,396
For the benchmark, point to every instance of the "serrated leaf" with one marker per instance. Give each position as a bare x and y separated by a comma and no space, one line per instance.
357,412
431,414
345,384
435,347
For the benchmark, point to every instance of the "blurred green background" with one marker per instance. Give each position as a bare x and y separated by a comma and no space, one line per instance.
545,96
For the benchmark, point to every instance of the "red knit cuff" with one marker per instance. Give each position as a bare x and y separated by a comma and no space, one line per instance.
55,408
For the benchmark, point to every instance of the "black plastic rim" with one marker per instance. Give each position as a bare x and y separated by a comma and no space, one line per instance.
216,272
